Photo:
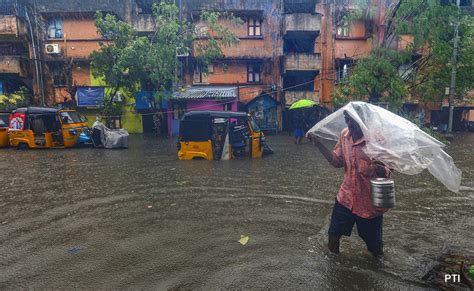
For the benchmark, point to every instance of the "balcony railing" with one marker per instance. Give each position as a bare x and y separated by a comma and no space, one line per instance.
293,96
10,65
144,23
302,62
10,14
302,22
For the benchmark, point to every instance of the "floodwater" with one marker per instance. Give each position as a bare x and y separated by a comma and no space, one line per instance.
139,218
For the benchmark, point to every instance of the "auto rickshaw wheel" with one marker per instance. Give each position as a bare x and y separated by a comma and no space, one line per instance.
22,146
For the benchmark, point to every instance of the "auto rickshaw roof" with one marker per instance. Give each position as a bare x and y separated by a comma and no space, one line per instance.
218,114
37,110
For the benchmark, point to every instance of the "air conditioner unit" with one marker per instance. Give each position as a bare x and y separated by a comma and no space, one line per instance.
52,48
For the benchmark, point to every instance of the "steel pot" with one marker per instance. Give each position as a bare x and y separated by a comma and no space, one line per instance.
383,193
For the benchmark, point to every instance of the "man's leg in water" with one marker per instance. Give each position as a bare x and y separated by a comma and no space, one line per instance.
370,230
342,222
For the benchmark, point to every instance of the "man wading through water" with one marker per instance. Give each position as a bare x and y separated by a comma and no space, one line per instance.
353,202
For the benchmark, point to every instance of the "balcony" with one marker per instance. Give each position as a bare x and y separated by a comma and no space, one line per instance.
10,26
302,62
293,96
10,65
302,22
144,23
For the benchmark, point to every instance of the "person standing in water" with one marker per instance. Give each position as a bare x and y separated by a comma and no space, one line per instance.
353,202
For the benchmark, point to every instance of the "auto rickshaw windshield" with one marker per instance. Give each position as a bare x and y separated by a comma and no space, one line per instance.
255,127
4,120
71,117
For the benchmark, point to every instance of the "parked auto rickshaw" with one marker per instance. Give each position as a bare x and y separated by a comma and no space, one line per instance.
4,117
215,135
41,127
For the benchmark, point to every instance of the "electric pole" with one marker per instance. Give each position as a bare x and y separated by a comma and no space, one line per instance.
452,87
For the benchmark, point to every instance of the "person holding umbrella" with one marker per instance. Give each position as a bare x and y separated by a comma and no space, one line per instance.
299,125
299,122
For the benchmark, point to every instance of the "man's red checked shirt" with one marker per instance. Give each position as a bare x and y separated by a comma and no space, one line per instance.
354,193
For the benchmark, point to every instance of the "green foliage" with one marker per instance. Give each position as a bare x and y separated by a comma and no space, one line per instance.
424,68
20,98
432,27
115,109
376,79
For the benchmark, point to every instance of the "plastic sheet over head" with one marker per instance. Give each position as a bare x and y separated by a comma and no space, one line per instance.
393,140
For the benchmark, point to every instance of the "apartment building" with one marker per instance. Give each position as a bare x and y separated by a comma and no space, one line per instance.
16,65
288,50
247,77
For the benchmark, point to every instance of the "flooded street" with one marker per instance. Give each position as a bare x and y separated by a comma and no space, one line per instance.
139,218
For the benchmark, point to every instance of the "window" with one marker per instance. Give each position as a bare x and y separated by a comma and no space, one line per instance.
343,29
343,72
55,28
254,27
254,73
201,73
71,117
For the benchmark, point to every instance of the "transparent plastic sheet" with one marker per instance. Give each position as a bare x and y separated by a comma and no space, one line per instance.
395,141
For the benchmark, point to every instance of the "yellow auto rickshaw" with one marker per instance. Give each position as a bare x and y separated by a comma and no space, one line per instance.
41,127
4,117
216,135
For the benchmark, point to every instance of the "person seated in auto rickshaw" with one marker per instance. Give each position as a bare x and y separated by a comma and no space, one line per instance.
239,138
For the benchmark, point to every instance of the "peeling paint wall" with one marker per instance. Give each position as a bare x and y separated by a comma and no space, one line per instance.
267,48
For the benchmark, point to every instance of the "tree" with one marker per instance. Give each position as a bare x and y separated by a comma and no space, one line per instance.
375,79
119,61
125,58
423,69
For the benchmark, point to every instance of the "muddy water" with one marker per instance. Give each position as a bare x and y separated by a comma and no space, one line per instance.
138,218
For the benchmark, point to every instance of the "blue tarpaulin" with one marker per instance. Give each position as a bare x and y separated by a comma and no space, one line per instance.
90,96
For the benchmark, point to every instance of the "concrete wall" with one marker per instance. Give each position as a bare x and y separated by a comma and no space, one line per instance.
293,96
267,48
9,26
356,45
269,44
131,120
302,22
236,73
121,8
10,64
80,37
143,22
302,62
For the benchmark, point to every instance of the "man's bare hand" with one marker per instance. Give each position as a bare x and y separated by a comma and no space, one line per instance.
314,138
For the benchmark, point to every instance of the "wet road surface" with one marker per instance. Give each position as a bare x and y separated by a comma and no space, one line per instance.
139,218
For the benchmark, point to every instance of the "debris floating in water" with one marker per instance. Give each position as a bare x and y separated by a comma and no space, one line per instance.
244,239
74,250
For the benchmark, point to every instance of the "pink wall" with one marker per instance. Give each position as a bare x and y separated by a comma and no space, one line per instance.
196,105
